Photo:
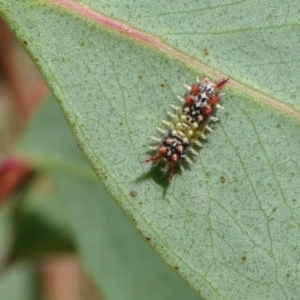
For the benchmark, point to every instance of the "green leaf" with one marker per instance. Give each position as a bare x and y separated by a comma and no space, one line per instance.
230,223
19,283
116,256
119,261
41,225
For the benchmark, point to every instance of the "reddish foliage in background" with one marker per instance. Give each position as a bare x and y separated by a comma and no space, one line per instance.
13,172
21,90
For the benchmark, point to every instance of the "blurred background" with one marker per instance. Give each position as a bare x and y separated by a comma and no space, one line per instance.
53,275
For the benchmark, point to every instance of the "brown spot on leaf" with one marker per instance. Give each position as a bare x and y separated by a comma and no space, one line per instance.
133,193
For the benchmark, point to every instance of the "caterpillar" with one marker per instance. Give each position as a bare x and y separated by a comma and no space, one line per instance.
187,124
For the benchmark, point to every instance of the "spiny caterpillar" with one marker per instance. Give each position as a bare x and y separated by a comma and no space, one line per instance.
187,124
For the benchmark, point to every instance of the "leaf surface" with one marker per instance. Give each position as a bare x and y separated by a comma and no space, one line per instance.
230,223
115,255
